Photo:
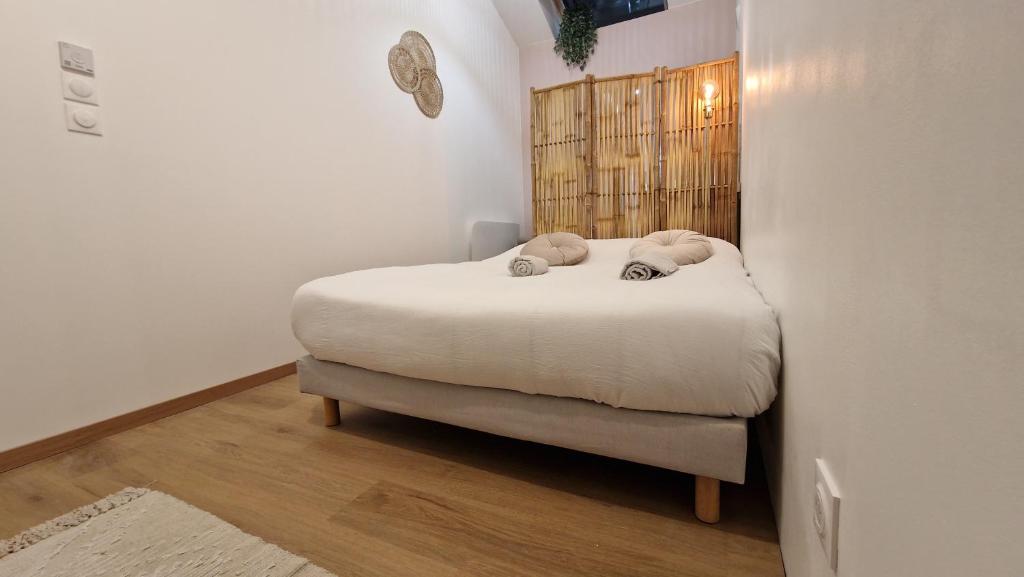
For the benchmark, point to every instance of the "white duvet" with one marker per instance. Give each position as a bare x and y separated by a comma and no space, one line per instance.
701,341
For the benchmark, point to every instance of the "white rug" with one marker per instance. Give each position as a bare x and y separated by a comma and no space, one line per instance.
144,533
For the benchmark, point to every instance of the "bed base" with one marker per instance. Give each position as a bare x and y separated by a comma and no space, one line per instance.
711,448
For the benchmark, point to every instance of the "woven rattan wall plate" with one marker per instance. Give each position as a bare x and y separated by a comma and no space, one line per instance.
420,49
404,70
414,70
430,96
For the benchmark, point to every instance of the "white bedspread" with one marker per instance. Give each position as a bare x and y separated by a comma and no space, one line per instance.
701,341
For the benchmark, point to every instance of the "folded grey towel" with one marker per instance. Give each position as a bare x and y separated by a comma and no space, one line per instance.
527,265
648,266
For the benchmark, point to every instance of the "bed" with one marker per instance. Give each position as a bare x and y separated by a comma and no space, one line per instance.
664,372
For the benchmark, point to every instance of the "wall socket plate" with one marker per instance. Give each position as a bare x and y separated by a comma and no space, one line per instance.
78,87
826,512
82,118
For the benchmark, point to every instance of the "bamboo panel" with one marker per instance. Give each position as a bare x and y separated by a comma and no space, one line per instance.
712,209
625,156
625,162
560,138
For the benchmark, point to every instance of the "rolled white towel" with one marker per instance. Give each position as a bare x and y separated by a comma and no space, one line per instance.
527,265
648,266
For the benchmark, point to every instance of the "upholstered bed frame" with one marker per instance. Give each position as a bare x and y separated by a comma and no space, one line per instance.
713,449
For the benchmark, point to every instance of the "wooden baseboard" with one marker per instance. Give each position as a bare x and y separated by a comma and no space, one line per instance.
41,449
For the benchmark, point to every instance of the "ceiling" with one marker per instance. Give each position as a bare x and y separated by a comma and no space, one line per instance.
528,20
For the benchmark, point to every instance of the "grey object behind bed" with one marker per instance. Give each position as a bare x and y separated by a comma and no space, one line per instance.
714,447
492,238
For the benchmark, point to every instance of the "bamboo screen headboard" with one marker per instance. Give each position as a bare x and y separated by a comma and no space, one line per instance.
623,157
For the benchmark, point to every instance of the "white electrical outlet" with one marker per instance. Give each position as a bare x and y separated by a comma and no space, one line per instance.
826,512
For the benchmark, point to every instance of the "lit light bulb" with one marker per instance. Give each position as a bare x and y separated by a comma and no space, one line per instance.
710,89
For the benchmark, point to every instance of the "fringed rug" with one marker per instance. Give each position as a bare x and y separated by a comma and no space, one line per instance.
143,533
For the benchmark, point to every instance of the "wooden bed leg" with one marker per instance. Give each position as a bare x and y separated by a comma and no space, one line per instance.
332,412
706,500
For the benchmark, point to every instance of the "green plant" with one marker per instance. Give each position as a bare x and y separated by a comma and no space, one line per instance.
577,35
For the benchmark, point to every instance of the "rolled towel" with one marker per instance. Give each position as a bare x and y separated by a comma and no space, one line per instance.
648,266
527,265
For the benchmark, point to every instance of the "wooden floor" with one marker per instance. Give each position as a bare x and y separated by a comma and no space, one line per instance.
388,495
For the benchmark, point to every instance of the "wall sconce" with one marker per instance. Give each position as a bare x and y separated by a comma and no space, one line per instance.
709,92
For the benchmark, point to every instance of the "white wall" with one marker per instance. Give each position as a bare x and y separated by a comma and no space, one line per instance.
681,36
882,212
250,146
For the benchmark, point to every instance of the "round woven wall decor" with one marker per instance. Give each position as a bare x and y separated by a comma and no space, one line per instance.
430,96
420,49
414,70
404,70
